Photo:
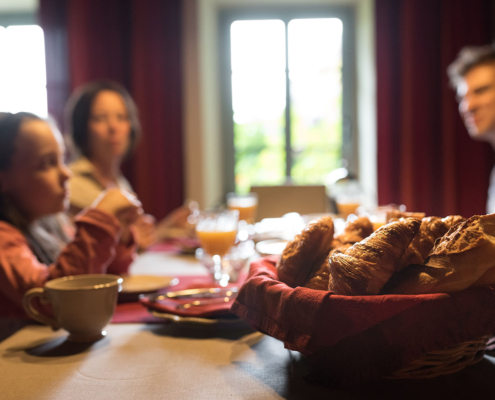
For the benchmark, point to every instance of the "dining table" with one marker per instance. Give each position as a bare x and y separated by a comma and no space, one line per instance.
146,357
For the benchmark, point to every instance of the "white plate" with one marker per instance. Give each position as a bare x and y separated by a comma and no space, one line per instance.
271,247
137,284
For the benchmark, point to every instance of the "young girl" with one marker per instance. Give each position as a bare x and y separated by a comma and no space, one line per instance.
33,185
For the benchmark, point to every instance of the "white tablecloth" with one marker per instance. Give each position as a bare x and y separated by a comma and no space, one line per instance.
180,361
141,362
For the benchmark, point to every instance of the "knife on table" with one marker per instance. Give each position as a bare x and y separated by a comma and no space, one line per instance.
196,303
192,293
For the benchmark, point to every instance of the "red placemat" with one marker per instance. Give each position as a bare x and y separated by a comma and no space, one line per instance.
137,312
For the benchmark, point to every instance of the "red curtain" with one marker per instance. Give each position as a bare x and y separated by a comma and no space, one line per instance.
426,159
136,43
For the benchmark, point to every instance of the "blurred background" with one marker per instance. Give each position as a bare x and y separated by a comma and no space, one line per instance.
235,94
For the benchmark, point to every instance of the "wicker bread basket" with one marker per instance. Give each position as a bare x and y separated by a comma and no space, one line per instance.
443,362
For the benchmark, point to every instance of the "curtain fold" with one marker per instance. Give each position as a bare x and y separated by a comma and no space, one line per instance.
426,159
136,43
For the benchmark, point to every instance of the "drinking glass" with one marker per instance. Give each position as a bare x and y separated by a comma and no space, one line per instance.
217,232
348,197
246,205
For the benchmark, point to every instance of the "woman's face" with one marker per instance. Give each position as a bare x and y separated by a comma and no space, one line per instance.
109,127
37,179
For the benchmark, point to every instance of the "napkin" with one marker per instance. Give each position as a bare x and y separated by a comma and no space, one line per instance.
169,306
352,339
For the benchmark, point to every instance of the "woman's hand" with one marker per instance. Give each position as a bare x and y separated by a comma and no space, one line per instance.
121,203
145,231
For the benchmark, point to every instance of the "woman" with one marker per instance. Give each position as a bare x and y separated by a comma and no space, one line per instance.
104,126
33,185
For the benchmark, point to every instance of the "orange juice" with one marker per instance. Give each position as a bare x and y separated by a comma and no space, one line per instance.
246,213
347,208
217,242
377,224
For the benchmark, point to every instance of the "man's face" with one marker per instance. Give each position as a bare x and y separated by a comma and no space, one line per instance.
476,95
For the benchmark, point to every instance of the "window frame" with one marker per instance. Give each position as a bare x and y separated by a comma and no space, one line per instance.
349,108
18,18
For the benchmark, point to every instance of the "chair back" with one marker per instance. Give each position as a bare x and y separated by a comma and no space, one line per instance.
275,201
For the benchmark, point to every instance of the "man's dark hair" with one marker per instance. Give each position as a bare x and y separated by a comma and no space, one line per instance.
79,109
468,58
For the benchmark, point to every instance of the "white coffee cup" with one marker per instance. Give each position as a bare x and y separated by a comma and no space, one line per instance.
82,304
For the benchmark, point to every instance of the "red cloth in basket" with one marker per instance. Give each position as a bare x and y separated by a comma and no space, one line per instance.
352,339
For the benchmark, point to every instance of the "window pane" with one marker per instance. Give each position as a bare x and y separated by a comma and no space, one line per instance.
22,70
258,101
315,72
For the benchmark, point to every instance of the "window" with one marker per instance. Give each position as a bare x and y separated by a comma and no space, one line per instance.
22,70
288,94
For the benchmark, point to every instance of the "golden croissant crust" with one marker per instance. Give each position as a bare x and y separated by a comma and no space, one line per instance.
319,280
306,252
354,231
364,268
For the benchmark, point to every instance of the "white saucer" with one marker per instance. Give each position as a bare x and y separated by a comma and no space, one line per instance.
137,284
271,247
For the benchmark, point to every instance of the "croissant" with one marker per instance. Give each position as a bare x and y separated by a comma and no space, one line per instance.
430,230
306,252
354,231
464,257
319,279
364,268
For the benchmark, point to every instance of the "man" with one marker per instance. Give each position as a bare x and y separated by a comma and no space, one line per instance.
472,74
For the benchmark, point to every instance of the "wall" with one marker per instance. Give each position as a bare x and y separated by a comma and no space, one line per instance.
203,163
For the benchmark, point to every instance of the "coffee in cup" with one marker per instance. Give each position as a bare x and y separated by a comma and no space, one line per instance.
82,304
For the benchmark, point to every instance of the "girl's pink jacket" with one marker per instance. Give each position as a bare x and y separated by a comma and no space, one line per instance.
94,250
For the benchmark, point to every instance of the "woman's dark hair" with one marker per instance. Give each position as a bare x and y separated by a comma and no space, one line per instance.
10,125
79,109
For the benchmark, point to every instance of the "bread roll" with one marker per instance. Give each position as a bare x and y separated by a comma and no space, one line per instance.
459,260
306,252
453,220
364,268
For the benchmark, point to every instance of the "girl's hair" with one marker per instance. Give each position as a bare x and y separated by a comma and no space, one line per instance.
10,125
79,109
45,247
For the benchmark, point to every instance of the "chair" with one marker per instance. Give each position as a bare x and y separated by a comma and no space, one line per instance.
275,201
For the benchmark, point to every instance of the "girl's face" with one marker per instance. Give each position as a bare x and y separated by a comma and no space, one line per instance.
109,127
37,179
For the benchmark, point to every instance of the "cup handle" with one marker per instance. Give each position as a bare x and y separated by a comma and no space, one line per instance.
33,312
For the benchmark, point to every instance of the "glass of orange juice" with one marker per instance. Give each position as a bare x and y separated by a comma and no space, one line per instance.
348,197
217,232
246,205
